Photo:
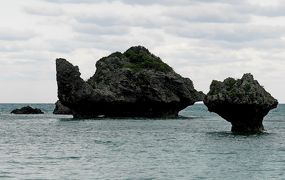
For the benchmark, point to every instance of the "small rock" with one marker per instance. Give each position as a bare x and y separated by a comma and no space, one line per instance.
27,110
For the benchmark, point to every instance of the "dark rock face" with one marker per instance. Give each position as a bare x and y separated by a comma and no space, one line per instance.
134,83
242,102
61,109
27,110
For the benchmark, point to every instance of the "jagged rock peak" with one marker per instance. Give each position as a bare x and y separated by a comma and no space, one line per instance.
136,58
241,91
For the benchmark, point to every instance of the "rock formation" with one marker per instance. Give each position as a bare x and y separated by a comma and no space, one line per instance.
27,110
61,109
133,83
242,102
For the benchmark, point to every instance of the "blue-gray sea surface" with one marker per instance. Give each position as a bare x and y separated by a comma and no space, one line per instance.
198,146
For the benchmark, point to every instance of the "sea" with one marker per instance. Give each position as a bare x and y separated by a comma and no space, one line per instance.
197,145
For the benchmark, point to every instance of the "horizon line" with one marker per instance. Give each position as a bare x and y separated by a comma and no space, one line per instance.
199,102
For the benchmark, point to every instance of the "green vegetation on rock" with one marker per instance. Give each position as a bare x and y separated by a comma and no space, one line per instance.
140,58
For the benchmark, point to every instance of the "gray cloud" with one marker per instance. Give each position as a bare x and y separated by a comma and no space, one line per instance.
43,11
93,29
228,32
270,11
148,2
8,34
9,47
218,13
127,16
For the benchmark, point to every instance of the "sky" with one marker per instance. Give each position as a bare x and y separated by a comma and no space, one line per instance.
200,39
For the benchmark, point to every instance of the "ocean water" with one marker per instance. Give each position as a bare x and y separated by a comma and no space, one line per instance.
198,145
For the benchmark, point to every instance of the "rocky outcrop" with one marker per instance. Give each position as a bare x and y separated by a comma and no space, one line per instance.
133,83
27,110
61,109
243,102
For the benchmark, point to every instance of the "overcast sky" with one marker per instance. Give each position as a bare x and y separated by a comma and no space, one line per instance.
200,39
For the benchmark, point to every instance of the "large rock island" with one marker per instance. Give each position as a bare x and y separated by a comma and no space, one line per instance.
243,102
135,83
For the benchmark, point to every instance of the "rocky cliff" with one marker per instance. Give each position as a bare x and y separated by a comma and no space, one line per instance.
61,109
133,83
243,102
